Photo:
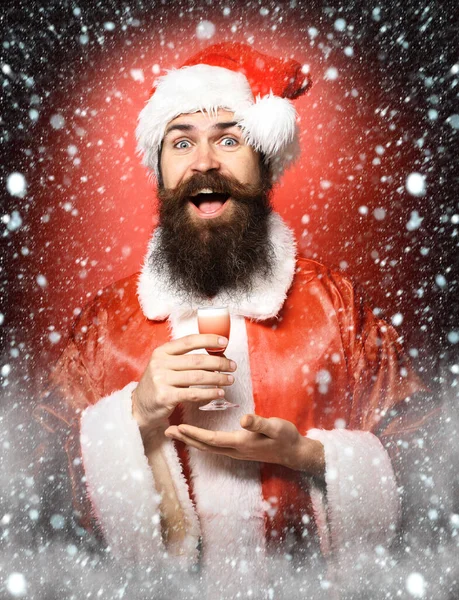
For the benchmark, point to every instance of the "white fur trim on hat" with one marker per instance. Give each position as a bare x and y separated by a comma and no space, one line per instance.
268,124
270,127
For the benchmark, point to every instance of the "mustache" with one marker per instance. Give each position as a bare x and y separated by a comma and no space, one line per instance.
218,183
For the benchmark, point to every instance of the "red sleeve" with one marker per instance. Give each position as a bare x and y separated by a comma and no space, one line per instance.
74,383
387,395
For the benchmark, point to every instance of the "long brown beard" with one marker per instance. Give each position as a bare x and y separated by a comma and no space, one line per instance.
206,256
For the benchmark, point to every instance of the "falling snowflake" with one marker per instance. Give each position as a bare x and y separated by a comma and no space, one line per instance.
397,319
16,184
137,75
16,584
415,221
416,184
205,30
331,74
57,121
416,585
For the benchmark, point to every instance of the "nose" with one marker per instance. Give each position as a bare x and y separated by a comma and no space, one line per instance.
205,159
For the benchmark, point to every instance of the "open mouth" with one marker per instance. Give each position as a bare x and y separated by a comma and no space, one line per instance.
209,204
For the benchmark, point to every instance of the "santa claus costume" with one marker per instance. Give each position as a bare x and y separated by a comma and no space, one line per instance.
308,350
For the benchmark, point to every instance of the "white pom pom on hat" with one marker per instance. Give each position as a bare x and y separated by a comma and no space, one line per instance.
233,76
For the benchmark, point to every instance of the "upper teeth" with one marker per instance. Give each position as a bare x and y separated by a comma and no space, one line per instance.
203,191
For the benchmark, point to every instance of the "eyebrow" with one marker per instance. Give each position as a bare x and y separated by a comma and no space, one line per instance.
186,127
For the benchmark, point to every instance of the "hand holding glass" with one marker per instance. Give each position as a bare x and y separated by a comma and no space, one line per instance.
217,321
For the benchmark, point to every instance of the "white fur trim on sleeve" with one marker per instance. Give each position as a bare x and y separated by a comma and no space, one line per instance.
121,486
360,508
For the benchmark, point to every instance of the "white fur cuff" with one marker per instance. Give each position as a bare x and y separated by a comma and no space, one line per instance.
361,507
121,485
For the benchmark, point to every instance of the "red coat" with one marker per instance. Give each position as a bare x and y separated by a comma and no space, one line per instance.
321,360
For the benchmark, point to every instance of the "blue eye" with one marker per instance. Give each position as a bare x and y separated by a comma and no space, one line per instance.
182,145
232,141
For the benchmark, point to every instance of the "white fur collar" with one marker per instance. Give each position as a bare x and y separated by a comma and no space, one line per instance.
159,300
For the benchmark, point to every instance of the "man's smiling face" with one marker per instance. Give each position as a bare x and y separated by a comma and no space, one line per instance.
199,148
214,206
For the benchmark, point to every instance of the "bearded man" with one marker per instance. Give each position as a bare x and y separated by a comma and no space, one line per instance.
320,382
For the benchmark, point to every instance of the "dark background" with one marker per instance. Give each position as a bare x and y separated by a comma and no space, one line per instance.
74,77
84,225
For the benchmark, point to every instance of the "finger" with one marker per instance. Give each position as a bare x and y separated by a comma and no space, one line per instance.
196,341
199,361
199,394
221,439
187,378
257,424
175,433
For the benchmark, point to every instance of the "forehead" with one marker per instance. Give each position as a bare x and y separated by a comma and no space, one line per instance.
202,120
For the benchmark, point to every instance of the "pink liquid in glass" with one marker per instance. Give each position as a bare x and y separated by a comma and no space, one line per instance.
217,321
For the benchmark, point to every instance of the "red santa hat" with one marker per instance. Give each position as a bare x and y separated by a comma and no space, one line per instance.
256,87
